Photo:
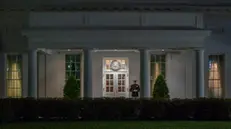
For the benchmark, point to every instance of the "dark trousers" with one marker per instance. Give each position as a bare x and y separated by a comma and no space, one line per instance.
135,95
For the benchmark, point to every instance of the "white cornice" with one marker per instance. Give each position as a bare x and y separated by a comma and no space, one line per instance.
81,34
115,39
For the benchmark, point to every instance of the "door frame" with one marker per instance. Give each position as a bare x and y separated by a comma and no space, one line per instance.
105,72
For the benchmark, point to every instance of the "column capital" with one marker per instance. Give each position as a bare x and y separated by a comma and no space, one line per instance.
144,49
33,49
199,49
88,48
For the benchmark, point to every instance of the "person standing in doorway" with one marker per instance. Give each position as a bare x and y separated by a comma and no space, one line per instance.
135,89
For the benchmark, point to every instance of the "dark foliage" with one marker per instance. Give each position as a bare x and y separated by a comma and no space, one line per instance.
71,89
160,90
86,109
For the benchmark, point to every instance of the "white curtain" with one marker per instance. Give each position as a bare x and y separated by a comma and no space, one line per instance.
215,86
14,81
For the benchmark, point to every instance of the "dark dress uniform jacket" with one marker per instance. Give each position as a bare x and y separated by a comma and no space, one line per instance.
135,89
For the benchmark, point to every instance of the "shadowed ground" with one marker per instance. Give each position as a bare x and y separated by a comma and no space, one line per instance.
119,125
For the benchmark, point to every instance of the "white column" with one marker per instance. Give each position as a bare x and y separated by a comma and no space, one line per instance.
200,73
3,67
32,74
87,73
145,73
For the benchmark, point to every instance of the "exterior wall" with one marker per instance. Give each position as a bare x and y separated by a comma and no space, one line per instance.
51,84
97,60
115,19
219,43
190,64
216,48
11,25
24,74
180,74
74,29
51,78
2,75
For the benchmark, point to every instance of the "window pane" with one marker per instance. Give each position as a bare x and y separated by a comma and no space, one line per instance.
68,67
77,66
67,75
163,59
77,74
78,58
14,76
153,59
157,65
73,66
215,75
152,70
158,58
73,73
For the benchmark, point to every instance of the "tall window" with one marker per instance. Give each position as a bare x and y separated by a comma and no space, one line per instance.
73,63
216,72
14,76
157,67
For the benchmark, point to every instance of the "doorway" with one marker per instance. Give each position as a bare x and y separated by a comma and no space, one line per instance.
115,77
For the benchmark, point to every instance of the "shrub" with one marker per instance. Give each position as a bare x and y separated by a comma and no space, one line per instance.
71,89
160,90
50,109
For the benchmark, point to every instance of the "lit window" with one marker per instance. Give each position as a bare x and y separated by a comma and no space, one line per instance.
157,67
215,82
73,66
111,64
14,76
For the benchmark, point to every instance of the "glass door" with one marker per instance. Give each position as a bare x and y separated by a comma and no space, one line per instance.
122,85
109,83
115,77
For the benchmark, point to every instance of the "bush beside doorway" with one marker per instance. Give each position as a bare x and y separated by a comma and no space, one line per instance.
71,89
160,90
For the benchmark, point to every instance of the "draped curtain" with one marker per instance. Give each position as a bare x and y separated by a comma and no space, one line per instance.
157,68
156,72
215,76
14,78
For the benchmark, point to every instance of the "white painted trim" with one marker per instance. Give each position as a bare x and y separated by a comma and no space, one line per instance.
115,39
73,32
116,50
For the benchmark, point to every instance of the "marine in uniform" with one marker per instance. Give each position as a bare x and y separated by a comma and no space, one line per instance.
135,89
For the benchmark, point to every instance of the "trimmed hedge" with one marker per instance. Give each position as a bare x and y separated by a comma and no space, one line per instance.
28,109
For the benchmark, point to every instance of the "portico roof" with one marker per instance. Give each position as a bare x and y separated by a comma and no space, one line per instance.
118,5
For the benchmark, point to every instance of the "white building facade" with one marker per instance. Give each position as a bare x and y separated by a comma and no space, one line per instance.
106,49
